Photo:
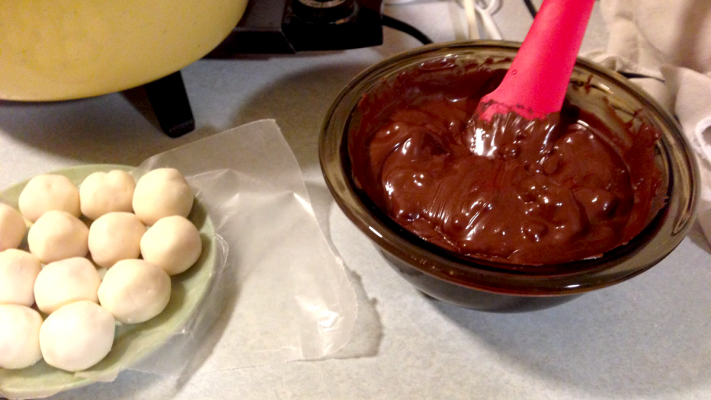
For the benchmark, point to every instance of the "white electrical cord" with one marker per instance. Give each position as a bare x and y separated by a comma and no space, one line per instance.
472,22
482,11
486,13
476,12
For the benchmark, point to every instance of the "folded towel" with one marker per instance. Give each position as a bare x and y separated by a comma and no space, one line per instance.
669,42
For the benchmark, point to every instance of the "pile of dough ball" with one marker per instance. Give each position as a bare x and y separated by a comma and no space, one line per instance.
138,231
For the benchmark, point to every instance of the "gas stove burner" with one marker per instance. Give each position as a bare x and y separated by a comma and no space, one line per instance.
291,26
325,11
323,3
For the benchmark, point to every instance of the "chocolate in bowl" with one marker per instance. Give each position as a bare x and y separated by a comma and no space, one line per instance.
493,283
525,192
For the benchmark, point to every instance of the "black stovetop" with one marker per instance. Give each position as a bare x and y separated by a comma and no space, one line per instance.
275,27
290,26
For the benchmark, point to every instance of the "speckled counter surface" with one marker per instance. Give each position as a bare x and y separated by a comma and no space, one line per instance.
647,338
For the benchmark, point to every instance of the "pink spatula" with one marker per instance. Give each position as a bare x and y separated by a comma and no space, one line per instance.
536,83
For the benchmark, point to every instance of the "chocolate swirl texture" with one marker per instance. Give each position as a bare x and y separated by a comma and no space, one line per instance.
564,188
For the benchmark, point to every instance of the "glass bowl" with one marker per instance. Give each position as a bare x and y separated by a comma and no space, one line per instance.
492,286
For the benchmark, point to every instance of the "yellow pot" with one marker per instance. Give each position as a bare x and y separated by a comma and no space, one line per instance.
68,49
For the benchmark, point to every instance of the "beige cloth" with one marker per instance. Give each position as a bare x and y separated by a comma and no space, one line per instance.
669,41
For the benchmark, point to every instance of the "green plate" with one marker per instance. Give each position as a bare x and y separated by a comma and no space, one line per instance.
132,342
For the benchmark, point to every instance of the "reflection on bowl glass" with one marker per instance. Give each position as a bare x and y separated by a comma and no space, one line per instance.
493,283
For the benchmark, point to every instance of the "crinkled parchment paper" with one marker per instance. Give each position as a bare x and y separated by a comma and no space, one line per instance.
282,295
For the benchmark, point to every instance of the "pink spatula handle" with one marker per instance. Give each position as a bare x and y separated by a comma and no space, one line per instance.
536,83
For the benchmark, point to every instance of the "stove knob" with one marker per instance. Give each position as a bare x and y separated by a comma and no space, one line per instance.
324,11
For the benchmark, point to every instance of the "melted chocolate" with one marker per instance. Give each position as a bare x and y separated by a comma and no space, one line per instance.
511,190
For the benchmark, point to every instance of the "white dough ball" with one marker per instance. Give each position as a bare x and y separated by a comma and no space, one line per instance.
12,227
58,235
77,336
135,291
104,192
18,272
114,237
160,193
172,243
66,281
49,192
19,336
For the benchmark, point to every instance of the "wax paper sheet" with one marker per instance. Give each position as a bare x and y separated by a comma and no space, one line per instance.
283,295
269,290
